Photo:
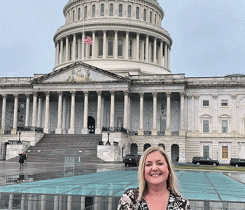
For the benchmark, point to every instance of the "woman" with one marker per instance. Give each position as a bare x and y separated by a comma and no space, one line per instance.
158,189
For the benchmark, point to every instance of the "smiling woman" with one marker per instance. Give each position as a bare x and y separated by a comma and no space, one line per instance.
157,185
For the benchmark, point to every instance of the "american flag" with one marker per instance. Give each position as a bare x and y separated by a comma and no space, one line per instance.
88,40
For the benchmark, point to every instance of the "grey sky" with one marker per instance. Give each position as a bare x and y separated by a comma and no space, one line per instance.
208,36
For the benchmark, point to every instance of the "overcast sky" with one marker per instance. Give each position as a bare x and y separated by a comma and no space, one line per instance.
208,36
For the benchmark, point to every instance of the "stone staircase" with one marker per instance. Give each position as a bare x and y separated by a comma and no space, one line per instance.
55,147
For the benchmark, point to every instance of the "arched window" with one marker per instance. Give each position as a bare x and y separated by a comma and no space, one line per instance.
120,47
111,9
144,14
93,10
129,11
110,47
150,16
102,10
120,10
130,46
79,14
85,12
100,46
137,13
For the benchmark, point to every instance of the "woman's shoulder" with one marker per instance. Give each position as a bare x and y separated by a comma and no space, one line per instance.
131,192
179,199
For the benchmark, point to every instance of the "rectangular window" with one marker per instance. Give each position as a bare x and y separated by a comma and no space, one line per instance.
120,10
206,151
205,102
110,47
224,152
224,103
205,126
224,126
120,47
100,47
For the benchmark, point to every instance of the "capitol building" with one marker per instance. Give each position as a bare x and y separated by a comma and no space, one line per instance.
112,78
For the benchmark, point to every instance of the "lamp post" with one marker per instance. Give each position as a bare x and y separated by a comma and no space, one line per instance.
108,142
19,142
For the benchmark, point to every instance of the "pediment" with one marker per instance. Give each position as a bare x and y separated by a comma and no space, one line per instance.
79,73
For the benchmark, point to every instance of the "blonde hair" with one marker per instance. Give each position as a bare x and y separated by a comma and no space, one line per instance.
172,184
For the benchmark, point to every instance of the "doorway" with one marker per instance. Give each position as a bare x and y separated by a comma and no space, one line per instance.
91,125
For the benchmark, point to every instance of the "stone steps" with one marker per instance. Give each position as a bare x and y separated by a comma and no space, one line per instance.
55,147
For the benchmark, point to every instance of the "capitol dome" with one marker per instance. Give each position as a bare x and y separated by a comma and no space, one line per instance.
126,37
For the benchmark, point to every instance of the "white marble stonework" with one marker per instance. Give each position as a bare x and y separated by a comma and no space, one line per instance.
124,80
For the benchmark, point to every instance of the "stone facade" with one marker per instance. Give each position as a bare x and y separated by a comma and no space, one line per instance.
122,82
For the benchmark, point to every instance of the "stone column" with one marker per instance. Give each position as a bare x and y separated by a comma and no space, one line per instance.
137,46
58,129
161,53
74,47
168,57
116,45
34,110
27,109
104,44
215,114
112,109
3,113
64,116
39,112
182,109
98,127
30,202
93,44
141,130
61,50
196,115
57,53
168,128
154,130
126,45
13,131
67,49
125,115
189,113
155,51
83,34
234,128
46,124
165,55
85,114
147,49
129,112
72,118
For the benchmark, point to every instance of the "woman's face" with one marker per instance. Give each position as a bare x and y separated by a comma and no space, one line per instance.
156,169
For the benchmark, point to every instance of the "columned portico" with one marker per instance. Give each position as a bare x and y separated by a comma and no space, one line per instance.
72,118
141,130
46,124
13,131
112,113
3,122
168,128
58,129
154,130
34,110
98,127
85,116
